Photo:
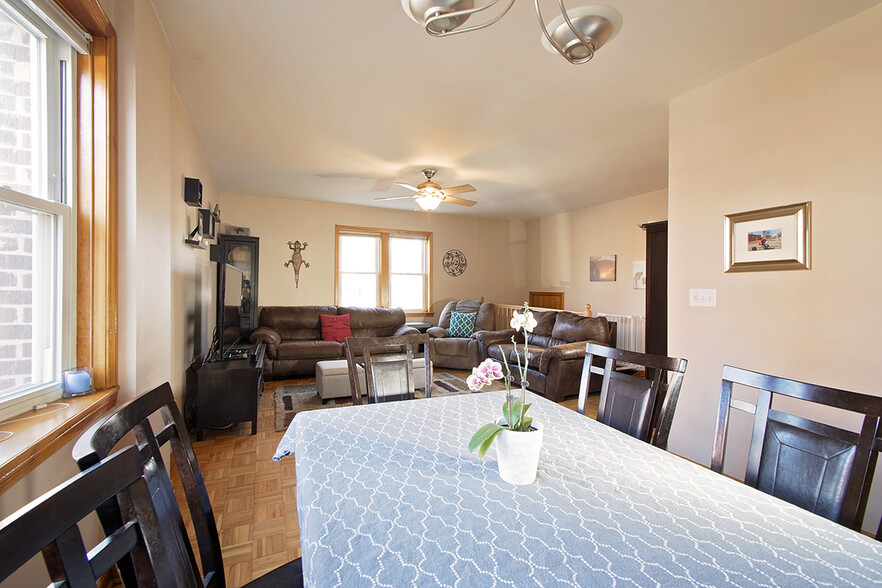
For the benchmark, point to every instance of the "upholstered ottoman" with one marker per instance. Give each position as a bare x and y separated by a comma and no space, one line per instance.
332,378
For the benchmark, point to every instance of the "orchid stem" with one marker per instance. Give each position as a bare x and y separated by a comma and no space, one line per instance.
507,385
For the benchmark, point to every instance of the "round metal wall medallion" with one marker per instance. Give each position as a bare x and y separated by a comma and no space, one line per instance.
454,262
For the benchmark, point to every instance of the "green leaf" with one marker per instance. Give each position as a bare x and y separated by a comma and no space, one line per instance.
515,410
483,438
486,444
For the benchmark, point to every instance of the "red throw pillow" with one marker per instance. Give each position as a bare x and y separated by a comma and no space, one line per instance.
335,327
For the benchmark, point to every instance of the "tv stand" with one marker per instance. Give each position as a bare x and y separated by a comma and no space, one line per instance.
238,353
229,390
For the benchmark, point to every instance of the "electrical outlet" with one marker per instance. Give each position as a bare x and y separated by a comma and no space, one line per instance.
698,297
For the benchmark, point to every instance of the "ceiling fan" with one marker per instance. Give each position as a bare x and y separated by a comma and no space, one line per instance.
430,195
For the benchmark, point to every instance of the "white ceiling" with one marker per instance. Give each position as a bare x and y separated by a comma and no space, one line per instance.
334,100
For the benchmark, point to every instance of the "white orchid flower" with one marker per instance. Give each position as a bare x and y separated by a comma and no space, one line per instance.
523,320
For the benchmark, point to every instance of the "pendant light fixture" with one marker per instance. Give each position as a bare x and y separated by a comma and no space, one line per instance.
445,17
575,34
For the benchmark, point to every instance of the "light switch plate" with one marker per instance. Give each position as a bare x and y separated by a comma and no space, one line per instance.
699,297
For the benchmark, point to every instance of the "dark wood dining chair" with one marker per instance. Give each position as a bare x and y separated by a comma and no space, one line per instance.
640,405
819,467
49,525
134,418
388,364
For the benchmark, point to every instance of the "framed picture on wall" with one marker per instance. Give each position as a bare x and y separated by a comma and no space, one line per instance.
769,239
638,274
602,268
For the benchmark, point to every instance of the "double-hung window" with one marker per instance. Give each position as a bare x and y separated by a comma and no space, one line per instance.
37,240
384,267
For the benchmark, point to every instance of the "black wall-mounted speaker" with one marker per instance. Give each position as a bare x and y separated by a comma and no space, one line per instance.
193,192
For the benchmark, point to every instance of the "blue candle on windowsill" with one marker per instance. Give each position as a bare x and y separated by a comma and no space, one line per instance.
77,382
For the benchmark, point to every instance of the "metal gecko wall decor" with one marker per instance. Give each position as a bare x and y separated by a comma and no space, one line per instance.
296,259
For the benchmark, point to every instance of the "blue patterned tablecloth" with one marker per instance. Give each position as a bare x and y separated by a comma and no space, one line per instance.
388,495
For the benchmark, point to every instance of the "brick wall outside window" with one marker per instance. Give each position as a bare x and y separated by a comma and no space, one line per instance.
16,226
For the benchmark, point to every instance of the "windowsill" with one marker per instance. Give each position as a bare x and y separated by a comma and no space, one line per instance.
46,431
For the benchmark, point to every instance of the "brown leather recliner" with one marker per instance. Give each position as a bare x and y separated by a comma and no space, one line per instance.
555,349
460,353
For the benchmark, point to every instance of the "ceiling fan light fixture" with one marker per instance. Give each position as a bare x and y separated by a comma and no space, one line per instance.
430,195
428,202
578,33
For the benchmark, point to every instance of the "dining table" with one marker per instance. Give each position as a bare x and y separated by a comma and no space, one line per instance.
389,495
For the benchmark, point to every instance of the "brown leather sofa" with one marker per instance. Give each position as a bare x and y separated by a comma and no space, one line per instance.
556,349
460,353
293,334
232,320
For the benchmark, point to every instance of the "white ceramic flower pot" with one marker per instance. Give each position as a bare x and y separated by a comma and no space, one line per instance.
518,454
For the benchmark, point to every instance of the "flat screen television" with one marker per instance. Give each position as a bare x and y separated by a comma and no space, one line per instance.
233,288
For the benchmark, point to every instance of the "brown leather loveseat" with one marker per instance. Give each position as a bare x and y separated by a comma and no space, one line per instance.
556,349
293,334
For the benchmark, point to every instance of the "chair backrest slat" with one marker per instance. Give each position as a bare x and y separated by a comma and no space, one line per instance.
642,406
387,363
134,417
50,524
812,464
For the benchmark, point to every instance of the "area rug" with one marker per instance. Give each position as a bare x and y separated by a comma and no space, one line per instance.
290,400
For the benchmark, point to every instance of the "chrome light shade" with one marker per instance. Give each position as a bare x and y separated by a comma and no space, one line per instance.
446,17
578,33
575,34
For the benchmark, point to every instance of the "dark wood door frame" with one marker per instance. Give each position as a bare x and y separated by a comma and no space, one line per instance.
656,287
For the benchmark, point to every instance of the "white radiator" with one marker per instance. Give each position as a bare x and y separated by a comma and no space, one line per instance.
630,331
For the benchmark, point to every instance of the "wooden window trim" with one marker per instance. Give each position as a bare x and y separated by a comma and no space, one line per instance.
36,439
385,235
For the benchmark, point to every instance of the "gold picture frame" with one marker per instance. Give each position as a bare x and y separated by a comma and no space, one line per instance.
770,239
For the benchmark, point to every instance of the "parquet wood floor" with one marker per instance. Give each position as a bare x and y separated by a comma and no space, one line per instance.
255,498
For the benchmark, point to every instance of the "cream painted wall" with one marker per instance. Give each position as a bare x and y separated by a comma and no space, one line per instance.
149,252
277,221
612,228
192,273
165,285
801,125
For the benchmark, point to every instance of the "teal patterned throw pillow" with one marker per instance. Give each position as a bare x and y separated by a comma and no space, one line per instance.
462,324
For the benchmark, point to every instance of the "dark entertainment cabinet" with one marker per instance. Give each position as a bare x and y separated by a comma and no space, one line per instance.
230,382
229,390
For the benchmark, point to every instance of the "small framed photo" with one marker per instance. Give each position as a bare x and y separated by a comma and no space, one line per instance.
769,239
602,268
638,274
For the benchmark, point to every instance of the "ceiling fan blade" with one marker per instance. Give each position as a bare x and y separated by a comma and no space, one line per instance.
382,184
460,201
458,189
394,197
408,186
